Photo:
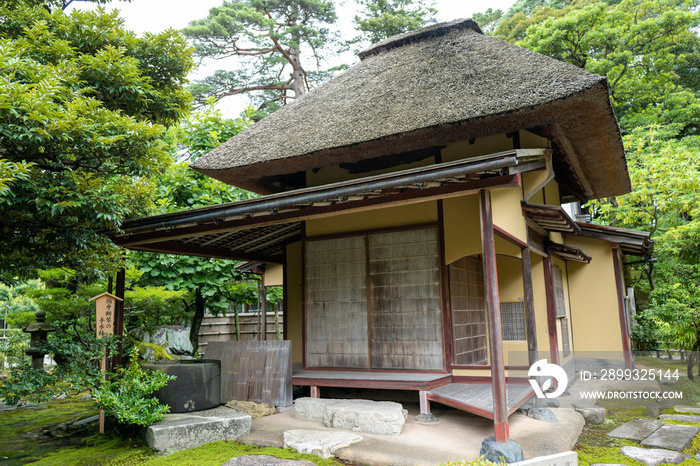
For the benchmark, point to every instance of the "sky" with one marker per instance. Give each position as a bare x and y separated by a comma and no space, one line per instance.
157,15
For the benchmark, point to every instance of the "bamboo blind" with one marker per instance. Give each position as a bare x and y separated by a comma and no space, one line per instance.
566,347
560,303
513,321
468,311
336,303
405,309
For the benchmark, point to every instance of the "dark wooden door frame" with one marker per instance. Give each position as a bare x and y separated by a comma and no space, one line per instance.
620,286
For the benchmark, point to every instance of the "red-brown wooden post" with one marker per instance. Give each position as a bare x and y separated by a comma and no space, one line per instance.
551,311
498,379
529,303
620,285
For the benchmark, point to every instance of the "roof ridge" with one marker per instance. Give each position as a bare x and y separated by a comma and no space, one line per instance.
419,35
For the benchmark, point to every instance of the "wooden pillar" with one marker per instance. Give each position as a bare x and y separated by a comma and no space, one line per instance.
424,402
551,311
119,316
529,303
493,312
263,299
315,391
620,285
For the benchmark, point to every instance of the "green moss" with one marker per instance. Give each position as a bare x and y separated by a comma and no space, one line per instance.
217,453
480,461
158,350
100,449
588,455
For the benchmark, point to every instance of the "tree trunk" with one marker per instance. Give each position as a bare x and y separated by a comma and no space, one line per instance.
694,356
297,71
199,303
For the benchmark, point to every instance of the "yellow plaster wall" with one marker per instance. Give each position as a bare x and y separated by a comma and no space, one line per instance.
413,214
335,174
540,298
507,212
491,145
273,274
294,318
462,227
595,317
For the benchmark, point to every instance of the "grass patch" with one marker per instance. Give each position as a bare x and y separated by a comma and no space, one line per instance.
100,449
648,362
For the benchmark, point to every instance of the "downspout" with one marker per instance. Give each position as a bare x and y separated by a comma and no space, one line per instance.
542,184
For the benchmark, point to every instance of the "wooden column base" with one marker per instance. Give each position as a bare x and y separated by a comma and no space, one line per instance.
315,392
502,432
424,402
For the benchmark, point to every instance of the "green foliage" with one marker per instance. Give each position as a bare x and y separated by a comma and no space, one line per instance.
152,306
125,396
12,348
268,39
19,306
381,19
82,108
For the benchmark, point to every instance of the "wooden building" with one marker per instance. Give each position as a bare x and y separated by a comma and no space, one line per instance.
414,204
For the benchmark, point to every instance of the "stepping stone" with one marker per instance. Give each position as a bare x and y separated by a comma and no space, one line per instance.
182,431
374,417
654,456
681,417
687,409
637,429
318,442
265,460
672,437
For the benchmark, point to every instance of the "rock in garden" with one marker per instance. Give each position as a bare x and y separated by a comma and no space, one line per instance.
653,456
319,443
497,452
375,417
264,460
593,414
542,414
174,338
687,409
254,410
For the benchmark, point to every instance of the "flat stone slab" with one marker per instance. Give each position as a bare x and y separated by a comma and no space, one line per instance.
653,456
567,458
265,460
672,437
374,417
182,431
637,429
681,417
318,442
687,409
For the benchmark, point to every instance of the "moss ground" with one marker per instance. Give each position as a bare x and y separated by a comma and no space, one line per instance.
594,445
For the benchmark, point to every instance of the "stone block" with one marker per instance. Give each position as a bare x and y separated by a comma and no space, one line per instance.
637,429
567,458
653,456
319,443
593,414
374,417
189,430
174,338
672,437
265,460
498,452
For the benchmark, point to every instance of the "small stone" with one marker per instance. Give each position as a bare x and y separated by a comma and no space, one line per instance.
86,397
594,415
428,418
255,410
265,460
672,437
653,456
637,429
498,452
542,414
319,443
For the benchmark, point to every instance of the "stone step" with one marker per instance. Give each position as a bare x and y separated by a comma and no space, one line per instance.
319,442
672,437
182,431
687,409
374,417
680,417
653,456
637,429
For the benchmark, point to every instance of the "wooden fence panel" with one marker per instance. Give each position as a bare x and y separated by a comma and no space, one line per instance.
220,328
259,371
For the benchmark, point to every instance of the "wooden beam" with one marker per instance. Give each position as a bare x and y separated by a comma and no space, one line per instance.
551,311
498,382
620,285
500,232
169,247
529,303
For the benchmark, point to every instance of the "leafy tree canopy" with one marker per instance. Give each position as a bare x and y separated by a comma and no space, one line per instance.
83,109
267,39
381,19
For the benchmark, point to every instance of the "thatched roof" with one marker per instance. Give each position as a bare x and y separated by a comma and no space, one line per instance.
427,88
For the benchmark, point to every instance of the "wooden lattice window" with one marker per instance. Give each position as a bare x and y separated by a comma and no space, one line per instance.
513,321
559,301
468,311
565,336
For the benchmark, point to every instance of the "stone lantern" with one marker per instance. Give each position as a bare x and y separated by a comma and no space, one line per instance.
38,331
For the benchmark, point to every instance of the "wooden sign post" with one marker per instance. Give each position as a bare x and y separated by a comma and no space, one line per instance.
104,322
